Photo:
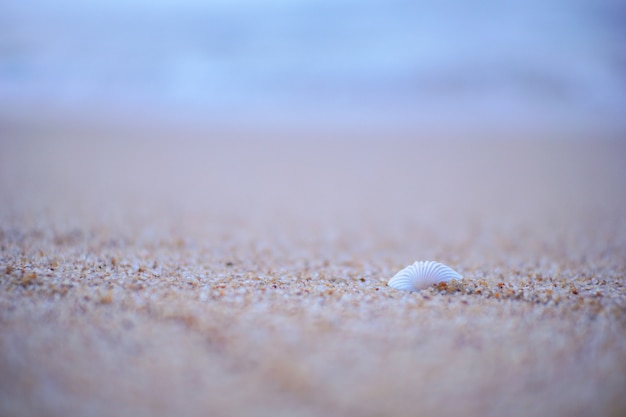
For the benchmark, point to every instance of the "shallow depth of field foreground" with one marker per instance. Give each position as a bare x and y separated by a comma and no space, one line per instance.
220,275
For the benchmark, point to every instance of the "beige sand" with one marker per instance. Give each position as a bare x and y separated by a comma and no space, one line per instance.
221,276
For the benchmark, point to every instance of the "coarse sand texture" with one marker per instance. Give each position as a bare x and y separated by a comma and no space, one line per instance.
227,276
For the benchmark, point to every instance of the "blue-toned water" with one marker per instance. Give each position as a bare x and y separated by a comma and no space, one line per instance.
559,61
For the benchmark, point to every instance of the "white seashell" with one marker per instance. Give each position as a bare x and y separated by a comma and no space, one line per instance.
422,274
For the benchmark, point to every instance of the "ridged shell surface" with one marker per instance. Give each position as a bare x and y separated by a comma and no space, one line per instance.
422,274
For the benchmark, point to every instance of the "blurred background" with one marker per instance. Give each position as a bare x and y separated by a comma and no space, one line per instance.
307,64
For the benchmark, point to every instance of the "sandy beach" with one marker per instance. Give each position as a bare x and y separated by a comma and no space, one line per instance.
220,274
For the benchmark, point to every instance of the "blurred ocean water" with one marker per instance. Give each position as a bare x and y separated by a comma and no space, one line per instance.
391,62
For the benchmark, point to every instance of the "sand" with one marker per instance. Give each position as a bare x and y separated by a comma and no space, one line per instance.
219,275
